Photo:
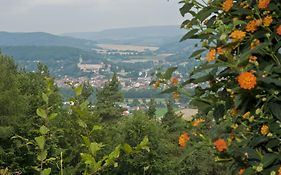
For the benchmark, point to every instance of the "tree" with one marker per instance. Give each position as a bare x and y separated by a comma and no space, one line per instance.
151,112
108,98
171,120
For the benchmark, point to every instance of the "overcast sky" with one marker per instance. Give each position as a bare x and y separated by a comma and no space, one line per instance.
60,16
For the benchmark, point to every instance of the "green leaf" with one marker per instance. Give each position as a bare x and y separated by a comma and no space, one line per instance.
43,130
169,72
45,98
197,53
86,141
219,112
81,123
88,159
185,8
46,171
275,109
189,34
42,155
40,142
95,147
144,144
268,80
78,90
127,148
41,113
268,159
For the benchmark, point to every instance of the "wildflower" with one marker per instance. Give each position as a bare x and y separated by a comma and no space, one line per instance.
267,21
253,59
279,30
221,50
254,43
252,26
279,171
241,171
197,122
183,139
237,35
156,84
233,112
264,129
227,5
247,80
211,55
220,145
246,115
263,4
174,81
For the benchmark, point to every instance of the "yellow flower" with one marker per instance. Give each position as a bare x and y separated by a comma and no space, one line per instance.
254,43
197,122
253,59
267,21
183,139
246,115
264,129
227,5
263,4
244,4
247,80
211,55
278,31
237,35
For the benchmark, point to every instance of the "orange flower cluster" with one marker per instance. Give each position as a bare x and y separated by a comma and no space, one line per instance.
183,139
211,55
174,81
247,80
227,5
264,129
254,43
220,145
246,115
279,30
279,171
263,4
252,26
197,122
221,50
267,21
237,35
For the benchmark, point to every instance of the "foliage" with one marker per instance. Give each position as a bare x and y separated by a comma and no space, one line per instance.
239,83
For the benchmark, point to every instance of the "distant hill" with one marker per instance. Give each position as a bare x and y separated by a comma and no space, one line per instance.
150,36
42,39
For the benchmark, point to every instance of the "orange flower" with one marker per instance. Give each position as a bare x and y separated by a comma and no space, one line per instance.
197,122
241,171
267,21
246,115
211,55
279,30
253,59
221,50
174,81
220,145
237,35
247,80
183,139
254,43
227,5
263,4
279,171
252,26
264,129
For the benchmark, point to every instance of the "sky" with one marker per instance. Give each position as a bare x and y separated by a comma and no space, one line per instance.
62,16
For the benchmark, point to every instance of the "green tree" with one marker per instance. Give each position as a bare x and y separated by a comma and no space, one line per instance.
151,112
108,99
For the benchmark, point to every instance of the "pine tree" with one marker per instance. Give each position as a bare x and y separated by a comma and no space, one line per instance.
108,98
171,120
151,112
